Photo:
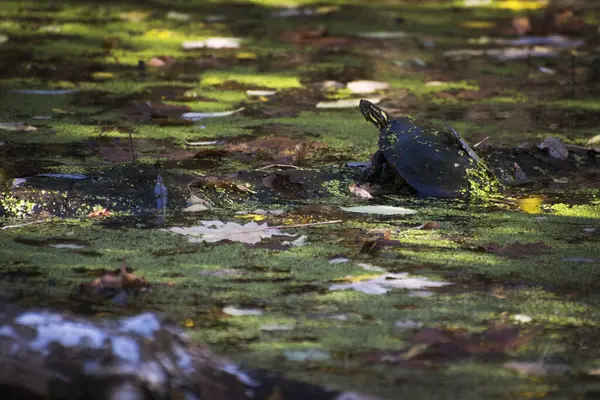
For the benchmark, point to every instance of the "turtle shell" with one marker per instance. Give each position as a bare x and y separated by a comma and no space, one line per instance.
437,163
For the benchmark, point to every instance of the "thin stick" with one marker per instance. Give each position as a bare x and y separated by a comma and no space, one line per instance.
337,221
131,147
25,224
477,144
277,165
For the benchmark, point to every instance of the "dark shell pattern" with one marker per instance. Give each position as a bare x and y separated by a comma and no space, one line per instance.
437,163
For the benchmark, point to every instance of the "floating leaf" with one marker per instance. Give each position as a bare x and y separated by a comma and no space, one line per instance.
178,16
214,231
277,327
213,43
343,103
338,260
367,86
382,210
240,312
516,249
194,116
537,368
555,147
381,283
362,191
17,127
301,241
383,35
408,324
134,16
67,246
257,93
306,355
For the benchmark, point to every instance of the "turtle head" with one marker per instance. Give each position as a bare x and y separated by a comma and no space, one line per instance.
374,114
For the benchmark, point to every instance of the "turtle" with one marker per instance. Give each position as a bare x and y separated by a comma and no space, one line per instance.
436,163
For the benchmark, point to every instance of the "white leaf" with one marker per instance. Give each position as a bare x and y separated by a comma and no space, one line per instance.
344,103
207,143
178,16
196,208
338,260
260,92
306,355
552,40
17,127
301,241
408,324
380,284
362,191
383,210
193,116
537,368
367,86
240,312
523,318
213,43
67,246
370,267
277,327
214,231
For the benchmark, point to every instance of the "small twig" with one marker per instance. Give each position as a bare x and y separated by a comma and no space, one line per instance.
337,221
131,146
25,224
278,166
477,144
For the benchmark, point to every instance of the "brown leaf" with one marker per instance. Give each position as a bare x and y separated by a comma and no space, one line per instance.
215,181
283,185
361,191
516,249
161,62
131,281
313,37
99,213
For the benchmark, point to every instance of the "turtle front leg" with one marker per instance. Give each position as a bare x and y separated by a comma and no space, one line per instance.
378,166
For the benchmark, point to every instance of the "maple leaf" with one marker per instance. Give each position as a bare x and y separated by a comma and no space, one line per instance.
215,231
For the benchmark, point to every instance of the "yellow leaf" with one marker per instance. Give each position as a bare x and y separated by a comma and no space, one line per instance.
134,16
246,56
253,217
263,99
102,75
357,278
326,9
518,5
189,323
159,33
478,24
531,205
